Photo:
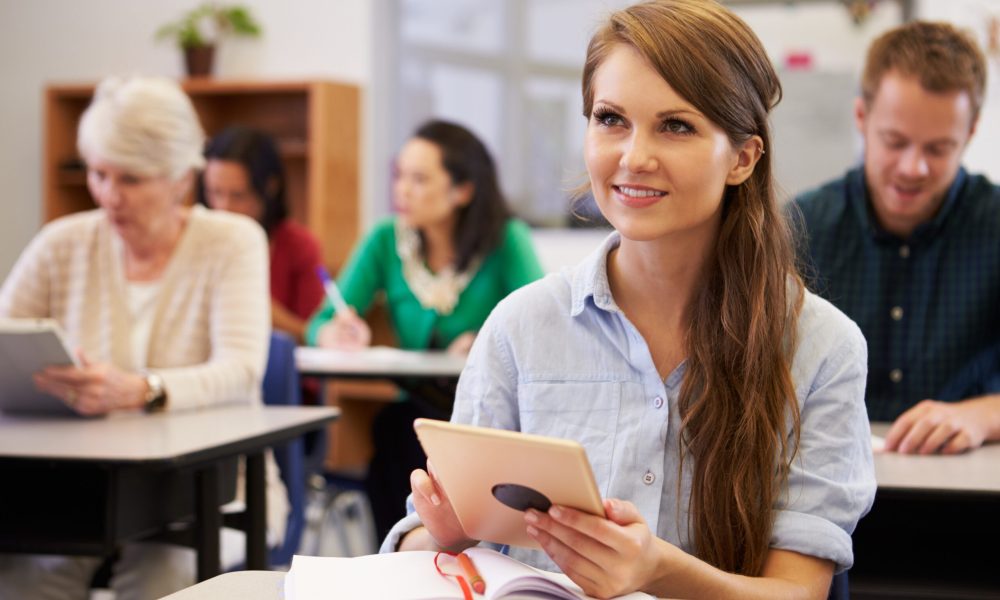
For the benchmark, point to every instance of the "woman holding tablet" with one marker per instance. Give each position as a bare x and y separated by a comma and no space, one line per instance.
721,405
166,304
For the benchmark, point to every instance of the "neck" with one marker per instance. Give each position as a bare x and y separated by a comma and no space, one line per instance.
660,277
147,256
439,245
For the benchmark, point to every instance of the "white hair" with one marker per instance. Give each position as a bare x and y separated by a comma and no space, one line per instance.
146,125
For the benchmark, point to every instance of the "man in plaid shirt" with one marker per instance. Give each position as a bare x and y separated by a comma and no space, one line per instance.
908,244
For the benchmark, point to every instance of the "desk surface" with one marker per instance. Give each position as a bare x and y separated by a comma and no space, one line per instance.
246,585
167,438
377,362
977,471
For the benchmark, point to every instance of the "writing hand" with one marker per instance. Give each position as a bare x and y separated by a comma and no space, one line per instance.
346,331
436,512
461,345
939,427
93,388
605,556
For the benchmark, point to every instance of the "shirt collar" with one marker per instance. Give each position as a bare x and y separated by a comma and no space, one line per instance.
590,278
857,188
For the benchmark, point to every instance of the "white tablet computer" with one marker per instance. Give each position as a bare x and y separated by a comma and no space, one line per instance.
26,347
492,475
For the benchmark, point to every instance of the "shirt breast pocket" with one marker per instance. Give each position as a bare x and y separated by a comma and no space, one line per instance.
586,412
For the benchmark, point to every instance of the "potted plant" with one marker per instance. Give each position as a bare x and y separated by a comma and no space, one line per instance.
199,29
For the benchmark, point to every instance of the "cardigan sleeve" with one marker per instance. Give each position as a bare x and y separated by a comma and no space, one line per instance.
25,292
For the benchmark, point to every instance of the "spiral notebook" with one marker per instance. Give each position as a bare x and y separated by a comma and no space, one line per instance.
413,576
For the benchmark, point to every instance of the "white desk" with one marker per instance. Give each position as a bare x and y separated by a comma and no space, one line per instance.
84,486
245,585
379,362
932,514
977,472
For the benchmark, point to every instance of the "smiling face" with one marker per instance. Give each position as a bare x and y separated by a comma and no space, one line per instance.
658,167
914,141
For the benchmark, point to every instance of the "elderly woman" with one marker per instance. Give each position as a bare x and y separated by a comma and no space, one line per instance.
166,303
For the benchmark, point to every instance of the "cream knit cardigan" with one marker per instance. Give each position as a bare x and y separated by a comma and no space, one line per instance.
211,323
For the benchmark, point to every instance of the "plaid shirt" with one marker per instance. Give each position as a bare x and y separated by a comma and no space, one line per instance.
928,305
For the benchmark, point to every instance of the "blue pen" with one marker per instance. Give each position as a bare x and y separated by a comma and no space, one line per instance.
332,291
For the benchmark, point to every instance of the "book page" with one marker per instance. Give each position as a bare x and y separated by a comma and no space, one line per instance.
412,576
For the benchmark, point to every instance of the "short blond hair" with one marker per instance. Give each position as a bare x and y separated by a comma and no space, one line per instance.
143,124
941,56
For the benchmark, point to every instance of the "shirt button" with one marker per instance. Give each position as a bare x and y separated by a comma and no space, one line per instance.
658,402
648,478
904,251
896,313
895,375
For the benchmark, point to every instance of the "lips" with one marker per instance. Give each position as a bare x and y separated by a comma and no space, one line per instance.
637,196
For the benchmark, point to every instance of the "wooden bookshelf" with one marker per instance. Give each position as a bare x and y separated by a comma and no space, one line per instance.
316,125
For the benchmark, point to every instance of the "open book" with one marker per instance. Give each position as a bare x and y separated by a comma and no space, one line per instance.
412,576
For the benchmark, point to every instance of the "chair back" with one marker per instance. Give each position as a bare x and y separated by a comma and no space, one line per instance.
281,387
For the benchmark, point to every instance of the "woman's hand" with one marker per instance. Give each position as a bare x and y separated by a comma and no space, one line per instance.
93,388
346,331
436,512
604,556
461,345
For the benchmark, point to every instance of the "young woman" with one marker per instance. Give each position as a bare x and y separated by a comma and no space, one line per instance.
443,263
721,405
244,174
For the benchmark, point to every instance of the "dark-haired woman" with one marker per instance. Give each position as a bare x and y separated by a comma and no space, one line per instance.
244,174
448,257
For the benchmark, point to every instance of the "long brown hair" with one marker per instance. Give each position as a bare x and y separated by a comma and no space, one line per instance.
740,419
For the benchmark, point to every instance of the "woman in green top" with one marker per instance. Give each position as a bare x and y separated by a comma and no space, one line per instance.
452,253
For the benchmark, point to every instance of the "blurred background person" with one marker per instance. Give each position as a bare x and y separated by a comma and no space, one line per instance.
244,174
452,253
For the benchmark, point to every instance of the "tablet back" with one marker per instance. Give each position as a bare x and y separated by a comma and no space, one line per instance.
26,347
492,475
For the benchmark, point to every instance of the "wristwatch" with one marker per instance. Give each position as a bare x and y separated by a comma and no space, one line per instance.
155,399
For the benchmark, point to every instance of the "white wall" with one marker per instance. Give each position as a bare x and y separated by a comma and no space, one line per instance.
60,41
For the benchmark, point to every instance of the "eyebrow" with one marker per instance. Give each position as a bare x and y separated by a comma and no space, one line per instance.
660,115
945,141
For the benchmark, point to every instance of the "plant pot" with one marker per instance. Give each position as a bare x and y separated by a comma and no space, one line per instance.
198,60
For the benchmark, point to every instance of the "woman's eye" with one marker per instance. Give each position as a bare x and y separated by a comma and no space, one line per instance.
677,126
608,118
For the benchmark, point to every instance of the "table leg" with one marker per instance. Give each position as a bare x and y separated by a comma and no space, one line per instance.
256,498
208,521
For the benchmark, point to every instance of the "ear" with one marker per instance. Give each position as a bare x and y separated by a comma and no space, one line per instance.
860,114
972,129
183,186
747,156
461,194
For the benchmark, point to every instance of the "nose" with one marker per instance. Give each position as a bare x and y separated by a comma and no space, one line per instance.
913,163
637,155
109,194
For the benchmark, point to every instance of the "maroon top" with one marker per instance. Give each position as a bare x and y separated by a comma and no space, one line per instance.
295,254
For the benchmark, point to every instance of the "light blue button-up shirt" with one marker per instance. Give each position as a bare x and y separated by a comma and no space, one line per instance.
559,358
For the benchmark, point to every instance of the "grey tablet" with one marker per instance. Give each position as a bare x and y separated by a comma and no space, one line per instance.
492,475
26,347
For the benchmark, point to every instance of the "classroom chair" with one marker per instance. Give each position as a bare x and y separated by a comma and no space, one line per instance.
281,387
839,589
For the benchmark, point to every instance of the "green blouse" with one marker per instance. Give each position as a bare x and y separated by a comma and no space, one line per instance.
374,266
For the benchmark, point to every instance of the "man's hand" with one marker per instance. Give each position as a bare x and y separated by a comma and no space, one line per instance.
933,427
